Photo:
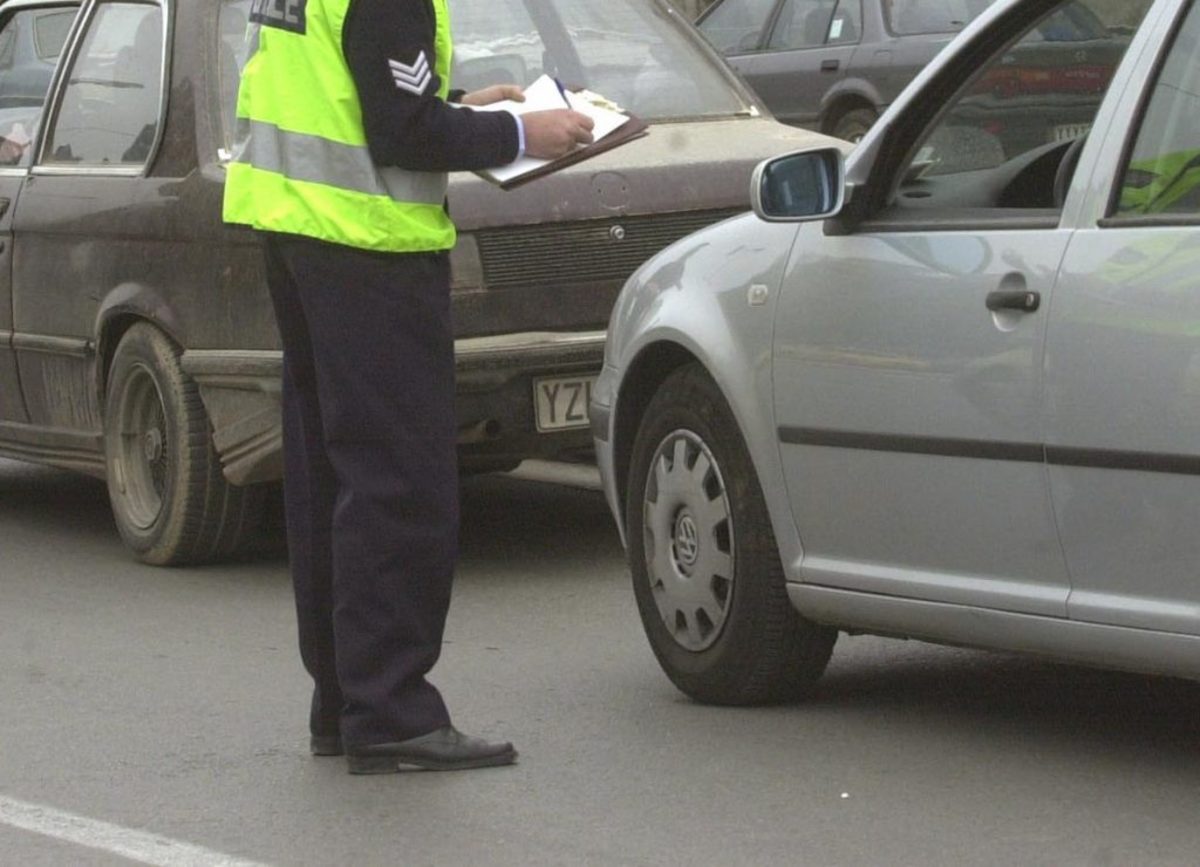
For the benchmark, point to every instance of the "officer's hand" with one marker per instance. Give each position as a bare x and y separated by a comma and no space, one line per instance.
495,93
550,134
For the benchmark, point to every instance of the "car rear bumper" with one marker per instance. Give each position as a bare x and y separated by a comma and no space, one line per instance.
241,390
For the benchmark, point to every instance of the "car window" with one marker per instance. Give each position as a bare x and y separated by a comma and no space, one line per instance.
50,31
231,56
634,52
913,17
1019,114
109,110
30,41
1162,174
1073,24
736,25
810,23
8,44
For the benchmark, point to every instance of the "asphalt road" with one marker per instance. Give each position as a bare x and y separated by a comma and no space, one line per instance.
161,713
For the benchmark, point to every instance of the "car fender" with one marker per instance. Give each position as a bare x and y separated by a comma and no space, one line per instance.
124,304
710,297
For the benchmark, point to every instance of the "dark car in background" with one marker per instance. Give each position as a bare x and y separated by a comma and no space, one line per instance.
29,51
836,65
137,341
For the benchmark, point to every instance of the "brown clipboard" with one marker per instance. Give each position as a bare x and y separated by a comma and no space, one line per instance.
633,128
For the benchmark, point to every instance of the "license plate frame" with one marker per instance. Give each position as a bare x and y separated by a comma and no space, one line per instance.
560,403
1069,131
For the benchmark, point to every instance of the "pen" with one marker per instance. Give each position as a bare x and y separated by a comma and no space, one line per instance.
562,91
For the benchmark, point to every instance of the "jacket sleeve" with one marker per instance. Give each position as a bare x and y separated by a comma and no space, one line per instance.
389,48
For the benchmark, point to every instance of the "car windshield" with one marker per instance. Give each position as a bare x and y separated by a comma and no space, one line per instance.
635,53
630,51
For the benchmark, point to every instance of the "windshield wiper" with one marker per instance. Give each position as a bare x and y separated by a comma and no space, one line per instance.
108,82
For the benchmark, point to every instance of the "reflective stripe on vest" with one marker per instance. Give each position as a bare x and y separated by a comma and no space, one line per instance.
311,158
300,160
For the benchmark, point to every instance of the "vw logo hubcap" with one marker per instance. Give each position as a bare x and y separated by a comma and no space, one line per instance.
687,541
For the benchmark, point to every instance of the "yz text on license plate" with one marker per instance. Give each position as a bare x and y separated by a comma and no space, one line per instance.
561,402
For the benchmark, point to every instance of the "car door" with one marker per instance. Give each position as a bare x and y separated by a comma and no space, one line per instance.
32,35
908,358
917,31
805,53
100,135
1123,358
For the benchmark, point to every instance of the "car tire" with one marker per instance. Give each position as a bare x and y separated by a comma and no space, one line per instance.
169,498
853,125
694,510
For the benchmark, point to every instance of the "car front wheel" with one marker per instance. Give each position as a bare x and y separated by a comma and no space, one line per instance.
853,125
706,570
171,503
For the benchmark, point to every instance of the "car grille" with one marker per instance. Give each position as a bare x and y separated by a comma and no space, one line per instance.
595,251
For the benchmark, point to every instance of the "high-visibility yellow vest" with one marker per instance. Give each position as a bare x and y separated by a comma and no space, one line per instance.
300,163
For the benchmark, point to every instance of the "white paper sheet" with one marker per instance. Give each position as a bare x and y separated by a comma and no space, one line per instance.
541,95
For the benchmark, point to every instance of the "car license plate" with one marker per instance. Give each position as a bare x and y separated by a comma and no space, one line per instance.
562,402
1069,131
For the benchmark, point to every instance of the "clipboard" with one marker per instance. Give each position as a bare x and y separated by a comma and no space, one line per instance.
633,128
613,128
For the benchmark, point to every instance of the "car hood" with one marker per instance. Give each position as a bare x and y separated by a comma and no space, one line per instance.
682,166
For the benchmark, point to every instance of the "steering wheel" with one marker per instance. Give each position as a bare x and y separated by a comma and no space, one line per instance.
1066,169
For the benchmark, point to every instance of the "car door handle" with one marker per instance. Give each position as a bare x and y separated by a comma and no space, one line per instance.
830,65
1013,299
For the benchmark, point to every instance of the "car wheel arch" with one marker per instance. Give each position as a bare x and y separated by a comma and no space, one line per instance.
126,306
842,102
650,367
648,370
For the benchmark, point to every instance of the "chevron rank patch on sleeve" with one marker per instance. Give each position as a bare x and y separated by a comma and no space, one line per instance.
414,78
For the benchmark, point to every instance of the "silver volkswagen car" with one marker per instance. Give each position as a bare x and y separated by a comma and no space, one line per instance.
946,388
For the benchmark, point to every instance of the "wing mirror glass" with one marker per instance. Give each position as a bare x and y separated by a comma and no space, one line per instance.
801,186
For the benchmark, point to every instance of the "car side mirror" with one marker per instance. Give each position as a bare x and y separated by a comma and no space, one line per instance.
800,186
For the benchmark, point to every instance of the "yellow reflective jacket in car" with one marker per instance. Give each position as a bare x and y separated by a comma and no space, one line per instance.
300,162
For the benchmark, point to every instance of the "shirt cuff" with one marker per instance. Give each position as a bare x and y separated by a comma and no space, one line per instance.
520,135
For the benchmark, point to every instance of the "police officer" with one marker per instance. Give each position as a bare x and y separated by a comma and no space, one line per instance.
346,129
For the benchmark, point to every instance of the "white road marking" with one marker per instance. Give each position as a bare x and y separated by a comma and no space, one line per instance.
135,845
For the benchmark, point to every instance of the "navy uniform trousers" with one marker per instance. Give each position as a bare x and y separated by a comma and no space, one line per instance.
370,478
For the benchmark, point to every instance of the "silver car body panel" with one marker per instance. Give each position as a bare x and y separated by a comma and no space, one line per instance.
713,294
866,390
1089,643
1123,395
1094,558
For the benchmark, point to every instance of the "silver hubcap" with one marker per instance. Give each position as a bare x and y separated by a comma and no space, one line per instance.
688,540
142,458
153,445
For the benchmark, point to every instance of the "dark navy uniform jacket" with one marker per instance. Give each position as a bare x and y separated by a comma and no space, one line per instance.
385,42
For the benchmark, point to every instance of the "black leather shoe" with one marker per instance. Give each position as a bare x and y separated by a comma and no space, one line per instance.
326,745
444,749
